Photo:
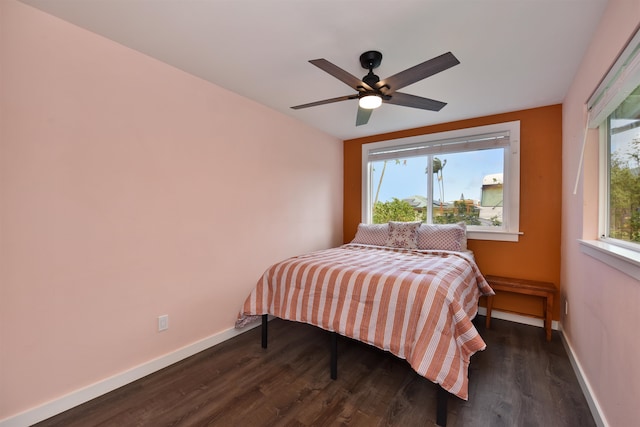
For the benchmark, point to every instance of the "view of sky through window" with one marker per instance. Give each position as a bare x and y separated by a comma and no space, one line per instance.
462,174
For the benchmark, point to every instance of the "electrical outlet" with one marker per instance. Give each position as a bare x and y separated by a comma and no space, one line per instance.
163,322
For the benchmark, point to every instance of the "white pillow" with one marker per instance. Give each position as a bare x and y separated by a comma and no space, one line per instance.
448,237
403,235
372,234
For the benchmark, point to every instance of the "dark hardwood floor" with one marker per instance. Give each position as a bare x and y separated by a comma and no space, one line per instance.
519,380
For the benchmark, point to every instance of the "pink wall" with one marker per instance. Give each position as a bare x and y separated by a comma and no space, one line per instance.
603,319
129,189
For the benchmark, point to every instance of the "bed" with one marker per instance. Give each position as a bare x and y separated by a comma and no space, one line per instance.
410,289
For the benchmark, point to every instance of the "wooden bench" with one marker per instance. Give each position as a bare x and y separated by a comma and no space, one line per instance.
545,290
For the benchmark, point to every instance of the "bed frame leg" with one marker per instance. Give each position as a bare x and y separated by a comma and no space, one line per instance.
265,319
334,355
441,409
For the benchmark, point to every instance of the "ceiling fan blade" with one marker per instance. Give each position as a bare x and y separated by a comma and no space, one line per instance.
340,74
363,116
418,72
325,101
407,100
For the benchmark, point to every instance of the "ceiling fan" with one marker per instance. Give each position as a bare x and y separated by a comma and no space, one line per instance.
372,92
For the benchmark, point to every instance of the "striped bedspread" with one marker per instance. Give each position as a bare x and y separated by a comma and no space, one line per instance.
417,305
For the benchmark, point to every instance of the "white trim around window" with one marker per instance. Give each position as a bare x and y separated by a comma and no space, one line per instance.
616,256
620,81
466,139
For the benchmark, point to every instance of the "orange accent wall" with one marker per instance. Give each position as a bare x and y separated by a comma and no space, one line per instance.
537,253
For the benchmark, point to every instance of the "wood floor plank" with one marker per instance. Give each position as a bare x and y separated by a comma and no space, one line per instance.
519,380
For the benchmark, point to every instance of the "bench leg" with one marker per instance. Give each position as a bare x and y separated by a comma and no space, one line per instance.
489,308
548,316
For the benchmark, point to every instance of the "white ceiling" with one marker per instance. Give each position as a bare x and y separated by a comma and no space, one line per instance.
514,54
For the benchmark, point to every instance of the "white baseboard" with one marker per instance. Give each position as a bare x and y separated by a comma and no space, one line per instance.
594,406
80,396
99,388
517,318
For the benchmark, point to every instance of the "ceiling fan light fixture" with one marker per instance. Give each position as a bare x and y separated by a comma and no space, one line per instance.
369,102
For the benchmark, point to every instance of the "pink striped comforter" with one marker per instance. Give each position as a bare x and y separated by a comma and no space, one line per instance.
417,305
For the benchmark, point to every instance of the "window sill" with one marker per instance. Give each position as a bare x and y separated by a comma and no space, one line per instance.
500,236
623,259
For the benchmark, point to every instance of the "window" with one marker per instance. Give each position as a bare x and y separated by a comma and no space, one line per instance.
470,175
621,136
614,108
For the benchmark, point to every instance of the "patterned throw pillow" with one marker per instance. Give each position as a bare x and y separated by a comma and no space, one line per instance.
448,237
372,234
403,235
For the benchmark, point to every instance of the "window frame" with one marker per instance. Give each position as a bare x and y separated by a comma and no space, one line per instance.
510,231
621,79
604,186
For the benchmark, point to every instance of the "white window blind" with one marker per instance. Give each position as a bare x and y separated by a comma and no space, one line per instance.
477,142
617,85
